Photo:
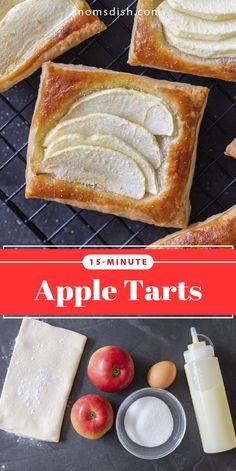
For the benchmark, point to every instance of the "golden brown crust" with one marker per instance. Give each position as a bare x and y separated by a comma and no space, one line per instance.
230,150
149,48
60,86
217,230
77,30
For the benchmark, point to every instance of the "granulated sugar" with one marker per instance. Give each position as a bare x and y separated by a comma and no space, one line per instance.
149,422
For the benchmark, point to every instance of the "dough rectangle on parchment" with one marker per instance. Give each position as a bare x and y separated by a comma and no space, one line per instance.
39,380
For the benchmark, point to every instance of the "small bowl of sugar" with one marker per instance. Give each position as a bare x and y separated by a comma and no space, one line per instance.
151,423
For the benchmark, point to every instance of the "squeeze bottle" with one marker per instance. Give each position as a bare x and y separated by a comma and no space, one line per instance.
209,397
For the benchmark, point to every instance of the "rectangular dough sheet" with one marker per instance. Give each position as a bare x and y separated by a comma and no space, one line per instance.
39,380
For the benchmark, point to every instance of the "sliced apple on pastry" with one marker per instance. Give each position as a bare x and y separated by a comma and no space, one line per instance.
101,168
187,26
213,10
204,48
105,162
141,108
109,142
102,123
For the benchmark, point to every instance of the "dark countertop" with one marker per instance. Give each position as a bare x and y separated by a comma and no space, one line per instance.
148,341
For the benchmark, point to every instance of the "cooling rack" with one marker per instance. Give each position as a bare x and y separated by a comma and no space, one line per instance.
36,222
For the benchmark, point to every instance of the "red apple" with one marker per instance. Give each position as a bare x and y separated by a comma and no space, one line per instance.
92,416
111,369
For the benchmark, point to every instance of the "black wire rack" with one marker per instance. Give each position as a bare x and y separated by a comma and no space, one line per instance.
36,222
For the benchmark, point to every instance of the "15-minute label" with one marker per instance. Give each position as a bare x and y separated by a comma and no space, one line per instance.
118,262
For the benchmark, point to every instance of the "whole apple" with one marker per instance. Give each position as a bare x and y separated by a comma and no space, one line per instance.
111,369
92,416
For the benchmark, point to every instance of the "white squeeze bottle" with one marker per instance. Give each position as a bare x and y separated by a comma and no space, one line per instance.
209,397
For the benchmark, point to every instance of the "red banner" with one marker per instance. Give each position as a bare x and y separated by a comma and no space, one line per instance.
130,282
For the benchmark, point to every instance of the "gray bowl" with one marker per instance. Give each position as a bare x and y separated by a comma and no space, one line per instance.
175,439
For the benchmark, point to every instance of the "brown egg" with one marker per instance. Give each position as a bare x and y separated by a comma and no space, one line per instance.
161,375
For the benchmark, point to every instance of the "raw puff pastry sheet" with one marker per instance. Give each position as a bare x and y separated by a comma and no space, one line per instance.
39,380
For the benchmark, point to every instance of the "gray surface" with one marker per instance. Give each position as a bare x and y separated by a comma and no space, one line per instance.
148,341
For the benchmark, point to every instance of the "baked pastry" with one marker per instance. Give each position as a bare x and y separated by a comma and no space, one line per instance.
115,143
39,380
230,150
34,31
216,230
190,36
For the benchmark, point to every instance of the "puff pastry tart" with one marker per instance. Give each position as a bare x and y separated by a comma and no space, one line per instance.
115,143
216,230
34,31
190,36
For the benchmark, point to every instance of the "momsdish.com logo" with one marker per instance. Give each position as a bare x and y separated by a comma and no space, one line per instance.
116,11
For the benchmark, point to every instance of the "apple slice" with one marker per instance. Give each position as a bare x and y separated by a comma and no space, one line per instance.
5,7
191,27
209,49
134,135
211,9
109,142
141,108
105,169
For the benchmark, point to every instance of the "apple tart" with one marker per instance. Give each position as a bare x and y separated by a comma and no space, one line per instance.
115,143
218,230
34,31
194,37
